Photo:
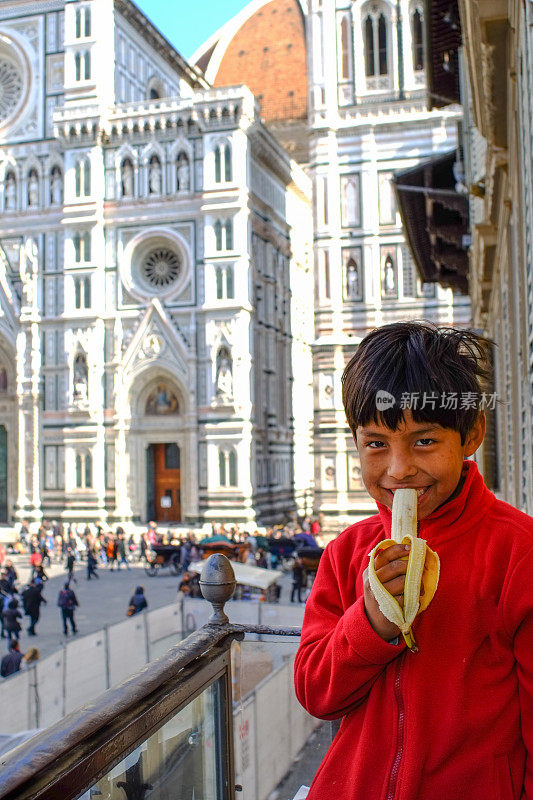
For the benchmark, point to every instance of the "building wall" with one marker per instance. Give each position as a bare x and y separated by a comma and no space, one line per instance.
363,128
126,243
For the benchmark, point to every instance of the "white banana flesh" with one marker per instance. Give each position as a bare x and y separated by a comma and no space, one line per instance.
423,567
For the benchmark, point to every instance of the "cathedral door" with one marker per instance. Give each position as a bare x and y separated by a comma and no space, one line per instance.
163,483
3,474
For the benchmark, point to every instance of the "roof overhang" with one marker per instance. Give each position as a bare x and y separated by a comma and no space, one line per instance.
436,221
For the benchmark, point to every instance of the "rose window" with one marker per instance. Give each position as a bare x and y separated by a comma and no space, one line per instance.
161,267
11,88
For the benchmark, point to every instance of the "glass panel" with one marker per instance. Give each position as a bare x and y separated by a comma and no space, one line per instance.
229,283
78,23
278,746
227,162
221,467
382,33
218,235
229,234
182,759
86,178
87,22
369,47
218,170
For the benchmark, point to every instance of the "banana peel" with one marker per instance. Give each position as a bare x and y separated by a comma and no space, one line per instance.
423,568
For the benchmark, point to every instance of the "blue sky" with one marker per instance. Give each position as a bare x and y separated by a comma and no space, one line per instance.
188,24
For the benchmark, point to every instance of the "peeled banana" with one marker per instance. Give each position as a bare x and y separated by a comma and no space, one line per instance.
419,573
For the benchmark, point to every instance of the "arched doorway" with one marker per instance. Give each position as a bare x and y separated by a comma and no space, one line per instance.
163,482
161,406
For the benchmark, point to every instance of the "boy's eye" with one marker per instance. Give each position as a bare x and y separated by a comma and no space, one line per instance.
426,441
375,444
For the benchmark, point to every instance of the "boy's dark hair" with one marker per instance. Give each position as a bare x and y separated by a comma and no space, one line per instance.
405,358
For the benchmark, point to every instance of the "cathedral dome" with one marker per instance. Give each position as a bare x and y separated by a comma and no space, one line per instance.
264,47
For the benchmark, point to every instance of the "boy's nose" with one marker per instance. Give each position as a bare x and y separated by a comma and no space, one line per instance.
401,467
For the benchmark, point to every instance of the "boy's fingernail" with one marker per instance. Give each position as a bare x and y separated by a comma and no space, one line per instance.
407,546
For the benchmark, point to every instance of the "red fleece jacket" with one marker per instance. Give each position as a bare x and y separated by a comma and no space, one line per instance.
455,720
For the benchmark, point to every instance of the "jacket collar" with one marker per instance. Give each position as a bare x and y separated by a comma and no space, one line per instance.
455,516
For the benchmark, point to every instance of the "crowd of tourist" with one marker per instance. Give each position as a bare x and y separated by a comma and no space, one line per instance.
93,547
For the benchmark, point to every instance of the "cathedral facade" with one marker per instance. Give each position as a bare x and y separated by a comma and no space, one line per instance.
149,274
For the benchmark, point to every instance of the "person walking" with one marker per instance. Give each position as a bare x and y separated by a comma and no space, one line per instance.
298,580
71,563
137,602
11,616
67,602
112,552
121,547
11,663
92,563
31,602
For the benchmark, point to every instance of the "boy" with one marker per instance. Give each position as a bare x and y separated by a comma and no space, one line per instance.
455,719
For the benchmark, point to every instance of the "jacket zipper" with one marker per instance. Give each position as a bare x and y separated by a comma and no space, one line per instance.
393,780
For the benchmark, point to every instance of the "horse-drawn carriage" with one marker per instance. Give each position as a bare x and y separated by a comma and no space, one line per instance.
166,555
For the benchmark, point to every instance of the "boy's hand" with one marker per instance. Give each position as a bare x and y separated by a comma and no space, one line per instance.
390,570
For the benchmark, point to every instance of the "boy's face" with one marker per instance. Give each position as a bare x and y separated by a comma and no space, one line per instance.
419,455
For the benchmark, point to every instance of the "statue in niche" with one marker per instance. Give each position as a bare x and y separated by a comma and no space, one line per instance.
127,178
28,267
183,173
155,176
81,375
10,192
162,401
352,280
224,381
56,187
390,283
33,189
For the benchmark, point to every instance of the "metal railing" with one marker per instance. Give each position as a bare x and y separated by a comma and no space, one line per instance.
169,726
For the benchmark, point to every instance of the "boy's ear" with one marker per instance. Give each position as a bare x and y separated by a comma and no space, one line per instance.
476,434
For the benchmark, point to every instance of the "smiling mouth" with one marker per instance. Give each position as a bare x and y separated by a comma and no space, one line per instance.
419,492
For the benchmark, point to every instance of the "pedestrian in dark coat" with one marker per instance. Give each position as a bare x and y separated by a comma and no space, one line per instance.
11,663
67,602
11,619
137,602
71,563
32,598
121,545
92,562
298,579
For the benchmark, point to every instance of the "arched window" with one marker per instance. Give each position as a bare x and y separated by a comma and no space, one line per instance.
83,177
3,380
227,467
83,22
218,235
376,39
82,292
82,246
84,471
345,47
228,228
224,282
154,94
82,64
223,234
417,26
223,169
